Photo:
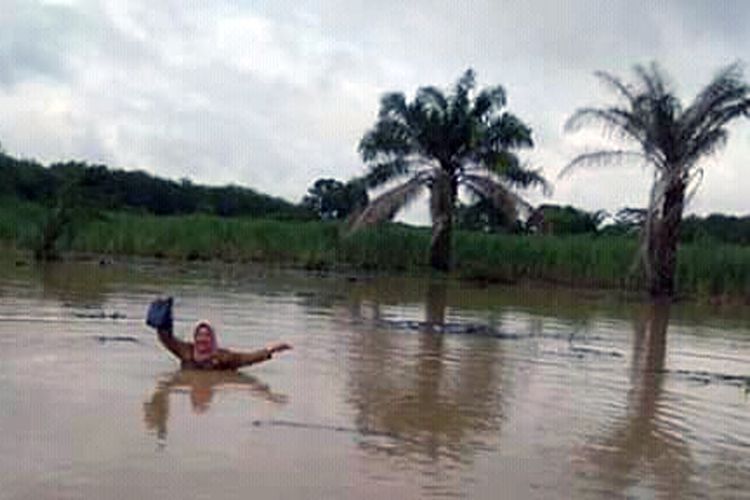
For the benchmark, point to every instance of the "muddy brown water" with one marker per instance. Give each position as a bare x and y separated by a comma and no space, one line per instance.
396,388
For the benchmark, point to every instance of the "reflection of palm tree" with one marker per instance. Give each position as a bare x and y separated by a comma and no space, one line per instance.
201,386
432,405
641,438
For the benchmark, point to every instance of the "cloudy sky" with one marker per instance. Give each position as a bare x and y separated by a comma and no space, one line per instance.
275,94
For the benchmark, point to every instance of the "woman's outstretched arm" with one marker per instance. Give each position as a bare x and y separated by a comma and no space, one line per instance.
231,360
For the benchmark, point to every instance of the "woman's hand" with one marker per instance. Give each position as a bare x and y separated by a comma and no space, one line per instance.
277,347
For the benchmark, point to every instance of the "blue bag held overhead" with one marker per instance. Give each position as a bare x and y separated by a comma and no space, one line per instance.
159,314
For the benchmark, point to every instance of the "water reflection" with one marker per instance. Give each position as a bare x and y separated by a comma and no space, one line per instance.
201,387
441,400
76,284
646,442
414,414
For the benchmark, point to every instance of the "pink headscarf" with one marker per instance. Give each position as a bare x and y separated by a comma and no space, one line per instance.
198,356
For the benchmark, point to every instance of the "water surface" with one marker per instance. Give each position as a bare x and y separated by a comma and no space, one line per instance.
396,388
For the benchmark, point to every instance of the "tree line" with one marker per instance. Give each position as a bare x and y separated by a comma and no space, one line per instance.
98,187
328,199
79,185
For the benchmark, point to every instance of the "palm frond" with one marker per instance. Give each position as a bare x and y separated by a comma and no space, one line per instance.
525,178
669,137
432,98
599,158
618,122
705,145
726,86
487,100
460,101
466,83
383,172
507,166
655,82
393,103
508,132
616,84
496,161
389,137
388,204
497,193
727,97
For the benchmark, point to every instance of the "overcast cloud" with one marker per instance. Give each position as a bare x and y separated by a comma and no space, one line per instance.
275,94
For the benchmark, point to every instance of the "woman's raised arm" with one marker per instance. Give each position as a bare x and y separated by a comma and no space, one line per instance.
159,316
179,348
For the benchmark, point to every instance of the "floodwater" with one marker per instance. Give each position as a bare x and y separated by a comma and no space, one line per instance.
396,388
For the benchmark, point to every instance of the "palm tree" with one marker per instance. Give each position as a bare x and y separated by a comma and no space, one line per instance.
671,138
442,141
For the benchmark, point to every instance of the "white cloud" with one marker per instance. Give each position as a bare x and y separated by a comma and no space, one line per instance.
274,95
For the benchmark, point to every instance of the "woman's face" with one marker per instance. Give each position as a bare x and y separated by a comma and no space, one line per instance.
204,340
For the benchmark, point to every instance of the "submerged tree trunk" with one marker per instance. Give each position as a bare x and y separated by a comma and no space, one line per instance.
441,210
57,222
663,247
435,303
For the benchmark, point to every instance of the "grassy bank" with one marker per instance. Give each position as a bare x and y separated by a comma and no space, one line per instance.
705,268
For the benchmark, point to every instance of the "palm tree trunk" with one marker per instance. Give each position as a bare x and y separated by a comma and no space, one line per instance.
435,304
664,244
441,210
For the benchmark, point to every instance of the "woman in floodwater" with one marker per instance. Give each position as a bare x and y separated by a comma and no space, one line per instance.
203,353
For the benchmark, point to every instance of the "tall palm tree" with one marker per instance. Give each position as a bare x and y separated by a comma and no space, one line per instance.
671,138
439,142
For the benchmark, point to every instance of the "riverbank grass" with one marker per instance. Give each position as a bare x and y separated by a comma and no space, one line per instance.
704,268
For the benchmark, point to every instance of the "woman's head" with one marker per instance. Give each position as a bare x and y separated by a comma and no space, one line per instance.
204,341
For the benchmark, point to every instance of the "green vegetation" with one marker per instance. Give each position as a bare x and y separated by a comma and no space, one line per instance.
716,227
20,223
555,219
330,199
707,268
204,237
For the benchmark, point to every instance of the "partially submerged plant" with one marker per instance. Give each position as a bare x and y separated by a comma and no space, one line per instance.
671,138
440,142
